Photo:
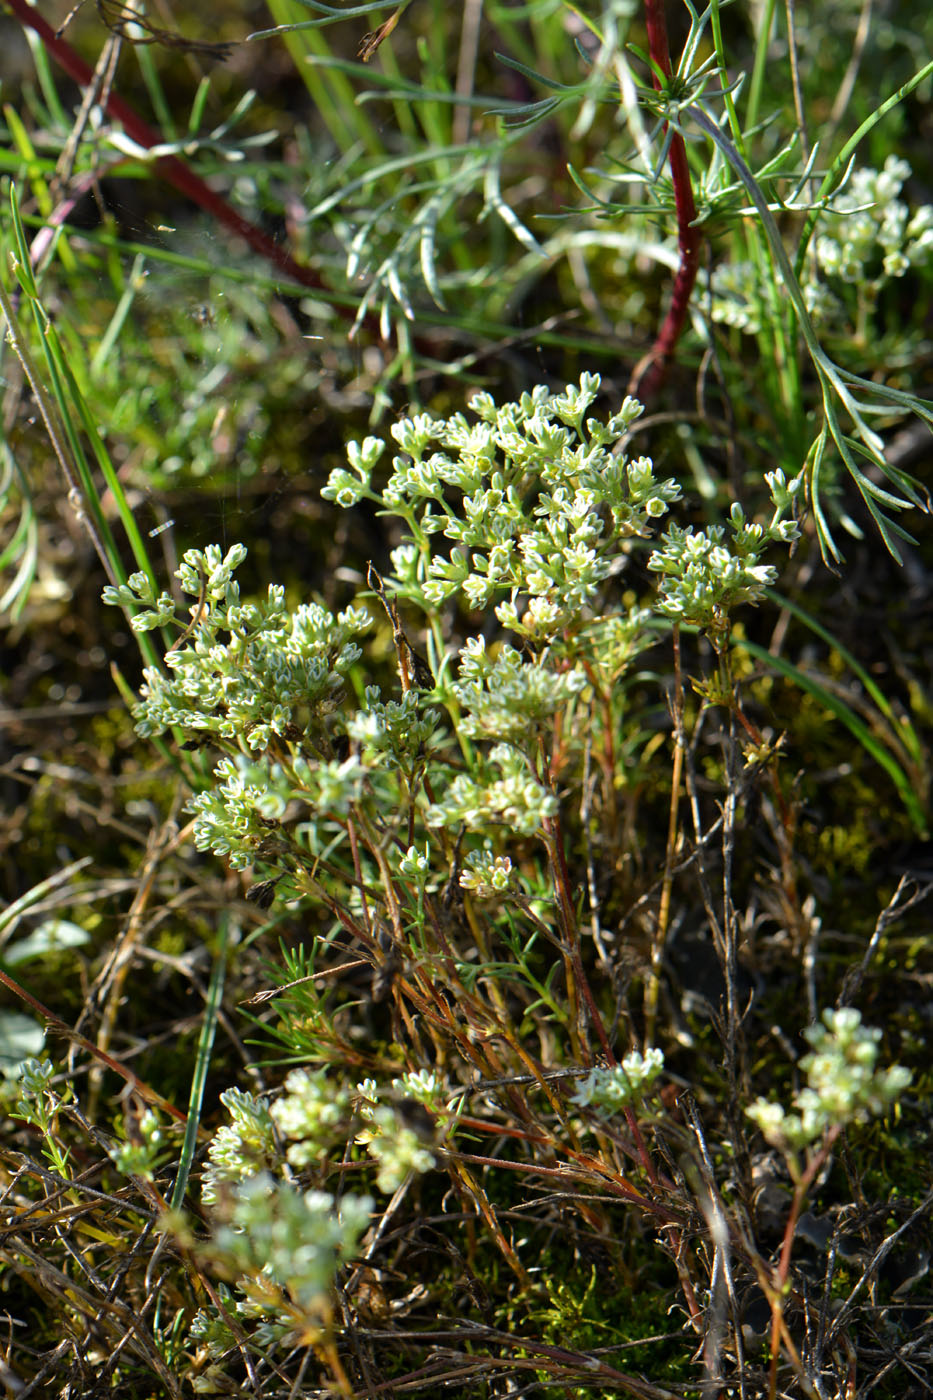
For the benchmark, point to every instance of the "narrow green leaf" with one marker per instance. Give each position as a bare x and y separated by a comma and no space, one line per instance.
212,1006
859,731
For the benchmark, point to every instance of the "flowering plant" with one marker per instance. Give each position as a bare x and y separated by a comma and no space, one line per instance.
429,815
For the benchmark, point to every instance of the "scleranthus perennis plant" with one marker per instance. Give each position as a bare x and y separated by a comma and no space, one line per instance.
436,821
844,1085
866,238
504,882
534,499
243,672
608,1091
703,578
529,513
282,1246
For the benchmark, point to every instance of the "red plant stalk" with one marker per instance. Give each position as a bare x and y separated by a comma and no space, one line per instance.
60,1027
649,374
802,1185
175,171
554,832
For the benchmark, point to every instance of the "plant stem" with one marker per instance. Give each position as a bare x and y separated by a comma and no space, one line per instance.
801,1187
555,843
55,1023
649,374
175,171
659,940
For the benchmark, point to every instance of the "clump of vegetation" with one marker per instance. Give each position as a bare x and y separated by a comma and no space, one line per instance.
487,958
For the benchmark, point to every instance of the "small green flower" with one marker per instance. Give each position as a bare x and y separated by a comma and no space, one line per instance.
486,875
704,578
607,1091
240,1148
844,1084
297,1240
142,1156
515,799
310,1115
532,498
508,698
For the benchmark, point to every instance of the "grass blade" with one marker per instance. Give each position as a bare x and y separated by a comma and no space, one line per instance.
903,731
859,731
212,1005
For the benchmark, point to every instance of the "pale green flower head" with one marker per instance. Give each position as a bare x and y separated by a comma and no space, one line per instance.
867,234
844,1084
240,1148
310,1115
416,865
704,575
486,875
297,1239
398,1150
509,796
424,1085
609,1091
532,498
508,698
145,1154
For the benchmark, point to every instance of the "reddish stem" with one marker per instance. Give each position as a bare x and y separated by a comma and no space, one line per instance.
553,829
650,372
801,1187
175,171
56,1023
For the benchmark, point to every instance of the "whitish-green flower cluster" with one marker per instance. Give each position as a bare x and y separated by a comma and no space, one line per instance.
537,509
607,1091
486,875
397,1149
532,497
507,794
285,1245
426,1087
239,1149
146,1152
704,578
844,1084
250,677
509,698
233,818
212,1334
313,1117
736,296
244,673
415,865
868,234
393,731
292,1239
310,1114
38,1100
